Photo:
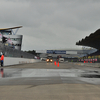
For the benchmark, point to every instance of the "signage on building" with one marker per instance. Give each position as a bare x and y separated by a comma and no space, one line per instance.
71,52
56,51
0,36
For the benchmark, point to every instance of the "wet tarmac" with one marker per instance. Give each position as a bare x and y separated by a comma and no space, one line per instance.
38,76
45,81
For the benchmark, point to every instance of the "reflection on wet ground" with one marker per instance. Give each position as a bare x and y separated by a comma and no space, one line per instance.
91,76
15,76
48,73
16,72
2,72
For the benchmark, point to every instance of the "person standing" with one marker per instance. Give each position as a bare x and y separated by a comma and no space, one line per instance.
2,59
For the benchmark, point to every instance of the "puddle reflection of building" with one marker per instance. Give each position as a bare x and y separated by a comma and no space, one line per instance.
2,72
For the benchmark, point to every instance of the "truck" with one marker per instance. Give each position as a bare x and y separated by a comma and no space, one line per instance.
61,59
49,58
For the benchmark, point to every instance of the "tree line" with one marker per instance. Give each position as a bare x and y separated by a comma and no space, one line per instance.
33,52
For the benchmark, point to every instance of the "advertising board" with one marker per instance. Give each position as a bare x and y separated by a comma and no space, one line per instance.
56,51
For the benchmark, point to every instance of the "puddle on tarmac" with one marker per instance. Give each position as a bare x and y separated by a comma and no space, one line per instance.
94,71
49,73
90,76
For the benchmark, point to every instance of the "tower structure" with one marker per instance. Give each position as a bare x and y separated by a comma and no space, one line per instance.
13,40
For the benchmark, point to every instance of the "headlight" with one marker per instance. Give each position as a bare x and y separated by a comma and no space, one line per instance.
51,60
47,59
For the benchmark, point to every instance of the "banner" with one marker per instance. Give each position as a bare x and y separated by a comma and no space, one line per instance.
0,36
56,52
9,41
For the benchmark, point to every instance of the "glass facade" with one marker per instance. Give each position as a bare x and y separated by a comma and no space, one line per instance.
15,39
6,32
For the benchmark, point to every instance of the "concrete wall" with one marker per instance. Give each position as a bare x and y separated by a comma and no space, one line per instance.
13,61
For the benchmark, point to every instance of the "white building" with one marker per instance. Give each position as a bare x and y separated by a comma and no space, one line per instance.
13,40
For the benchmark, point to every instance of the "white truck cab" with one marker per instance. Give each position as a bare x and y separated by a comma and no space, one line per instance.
61,59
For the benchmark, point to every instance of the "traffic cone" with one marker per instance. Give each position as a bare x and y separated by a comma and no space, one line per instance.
58,64
55,62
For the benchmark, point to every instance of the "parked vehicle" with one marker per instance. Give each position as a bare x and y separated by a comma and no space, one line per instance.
43,59
61,59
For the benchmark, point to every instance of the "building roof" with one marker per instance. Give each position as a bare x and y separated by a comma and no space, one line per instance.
93,40
2,29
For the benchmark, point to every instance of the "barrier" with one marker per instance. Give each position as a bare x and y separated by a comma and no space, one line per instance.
13,61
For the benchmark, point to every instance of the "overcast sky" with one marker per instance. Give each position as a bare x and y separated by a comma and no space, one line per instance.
51,24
